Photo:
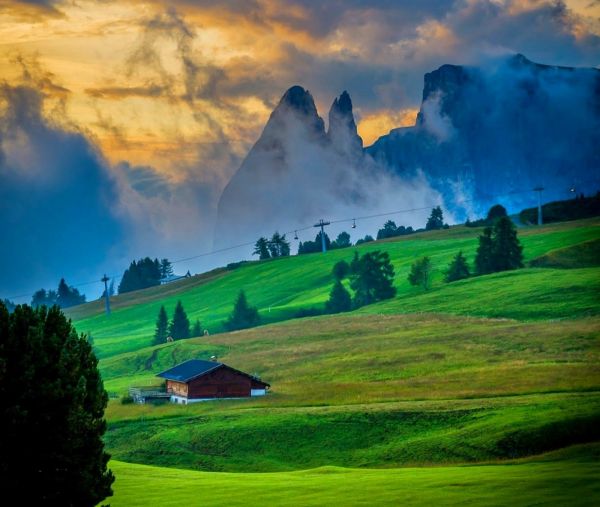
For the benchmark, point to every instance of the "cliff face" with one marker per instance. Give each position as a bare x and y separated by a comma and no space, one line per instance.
500,130
292,170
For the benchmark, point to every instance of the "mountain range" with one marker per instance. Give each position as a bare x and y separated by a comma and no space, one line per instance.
484,134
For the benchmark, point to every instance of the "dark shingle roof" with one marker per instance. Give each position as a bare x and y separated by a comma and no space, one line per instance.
189,370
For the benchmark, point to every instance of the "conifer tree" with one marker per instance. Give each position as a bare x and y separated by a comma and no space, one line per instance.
420,273
507,250
197,329
261,248
243,315
436,219
372,278
52,412
458,268
162,324
339,299
179,328
484,259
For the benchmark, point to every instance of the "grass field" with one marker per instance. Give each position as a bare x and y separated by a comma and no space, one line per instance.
459,381
282,287
569,477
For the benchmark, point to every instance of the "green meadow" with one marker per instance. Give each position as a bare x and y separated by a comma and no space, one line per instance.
483,391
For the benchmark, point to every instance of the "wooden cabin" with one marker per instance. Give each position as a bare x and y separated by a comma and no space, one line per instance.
199,380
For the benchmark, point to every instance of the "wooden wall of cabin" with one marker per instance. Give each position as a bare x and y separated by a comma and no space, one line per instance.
221,383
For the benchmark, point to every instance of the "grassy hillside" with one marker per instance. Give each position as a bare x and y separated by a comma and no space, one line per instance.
566,478
282,287
371,391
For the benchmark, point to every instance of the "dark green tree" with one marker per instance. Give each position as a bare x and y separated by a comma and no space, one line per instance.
68,296
243,315
261,248
341,270
44,298
372,278
436,219
10,306
389,230
179,328
420,273
314,246
197,329
458,269
140,275
507,250
495,212
278,246
339,299
162,327
342,240
484,258
166,268
52,412
367,239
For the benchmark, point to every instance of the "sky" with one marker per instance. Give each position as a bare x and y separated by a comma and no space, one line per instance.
122,121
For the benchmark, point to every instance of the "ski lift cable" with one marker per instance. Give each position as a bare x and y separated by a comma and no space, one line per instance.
301,229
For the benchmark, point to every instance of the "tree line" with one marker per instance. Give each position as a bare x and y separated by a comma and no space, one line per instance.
64,296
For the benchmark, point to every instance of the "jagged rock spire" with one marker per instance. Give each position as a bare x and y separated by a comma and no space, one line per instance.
342,131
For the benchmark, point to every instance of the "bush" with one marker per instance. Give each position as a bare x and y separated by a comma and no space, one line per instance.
126,400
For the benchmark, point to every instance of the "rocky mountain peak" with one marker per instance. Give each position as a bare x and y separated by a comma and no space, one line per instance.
342,131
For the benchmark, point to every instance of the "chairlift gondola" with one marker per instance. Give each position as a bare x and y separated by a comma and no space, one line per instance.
295,235
354,223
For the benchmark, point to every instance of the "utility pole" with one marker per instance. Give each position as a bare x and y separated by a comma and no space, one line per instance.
105,279
539,190
322,225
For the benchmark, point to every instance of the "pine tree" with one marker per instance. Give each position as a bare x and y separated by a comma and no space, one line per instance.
372,278
162,324
261,248
342,240
52,412
179,328
197,329
166,268
243,315
339,299
420,273
458,269
484,259
436,219
68,296
389,230
341,270
507,250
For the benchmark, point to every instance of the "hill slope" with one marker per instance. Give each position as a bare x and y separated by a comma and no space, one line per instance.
282,287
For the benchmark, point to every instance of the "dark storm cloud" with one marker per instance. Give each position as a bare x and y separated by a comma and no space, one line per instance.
57,198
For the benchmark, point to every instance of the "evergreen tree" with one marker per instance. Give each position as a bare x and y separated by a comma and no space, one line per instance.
389,230
166,268
420,273
10,306
162,324
341,270
197,329
261,248
52,412
372,278
458,269
44,298
436,219
507,250
342,240
339,299
278,246
495,212
179,328
367,239
243,315
68,296
140,275
484,259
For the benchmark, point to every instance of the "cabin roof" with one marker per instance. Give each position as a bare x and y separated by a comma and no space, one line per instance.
194,368
189,370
